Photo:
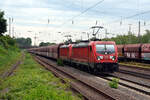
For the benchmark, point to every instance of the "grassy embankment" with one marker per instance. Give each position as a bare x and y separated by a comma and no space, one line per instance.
9,53
33,82
8,58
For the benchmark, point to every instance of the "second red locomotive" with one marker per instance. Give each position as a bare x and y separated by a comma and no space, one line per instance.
96,56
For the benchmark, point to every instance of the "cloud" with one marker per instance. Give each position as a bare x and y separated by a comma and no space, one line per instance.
33,15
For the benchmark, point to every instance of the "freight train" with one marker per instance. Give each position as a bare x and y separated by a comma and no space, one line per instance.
96,56
138,52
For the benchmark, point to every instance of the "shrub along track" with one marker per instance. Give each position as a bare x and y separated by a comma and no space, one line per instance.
13,67
84,83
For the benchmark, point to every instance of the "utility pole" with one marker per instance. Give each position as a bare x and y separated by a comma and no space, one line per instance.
139,31
129,28
35,39
13,32
105,33
129,33
12,25
9,26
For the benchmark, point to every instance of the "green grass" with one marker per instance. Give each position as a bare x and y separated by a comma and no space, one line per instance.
8,57
33,82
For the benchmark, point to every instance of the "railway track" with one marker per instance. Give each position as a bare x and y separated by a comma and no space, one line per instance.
146,76
83,84
10,71
135,67
135,71
132,79
135,64
131,84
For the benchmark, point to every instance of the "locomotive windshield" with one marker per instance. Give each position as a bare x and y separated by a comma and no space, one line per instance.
105,48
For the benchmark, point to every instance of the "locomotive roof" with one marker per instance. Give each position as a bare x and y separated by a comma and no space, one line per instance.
103,42
64,46
85,44
81,44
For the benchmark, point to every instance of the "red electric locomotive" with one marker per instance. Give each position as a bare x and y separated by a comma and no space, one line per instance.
96,56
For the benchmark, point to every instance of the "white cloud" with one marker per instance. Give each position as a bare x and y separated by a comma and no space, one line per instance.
33,15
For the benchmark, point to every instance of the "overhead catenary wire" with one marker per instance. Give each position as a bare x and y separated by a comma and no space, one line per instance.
99,2
128,17
111,22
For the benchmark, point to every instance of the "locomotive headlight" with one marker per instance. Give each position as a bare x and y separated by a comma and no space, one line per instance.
112,57
99,57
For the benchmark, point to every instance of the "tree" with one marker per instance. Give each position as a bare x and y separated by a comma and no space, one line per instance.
3,23
124,39
24,42
146,37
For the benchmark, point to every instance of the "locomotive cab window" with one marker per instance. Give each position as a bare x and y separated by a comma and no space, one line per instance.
105,48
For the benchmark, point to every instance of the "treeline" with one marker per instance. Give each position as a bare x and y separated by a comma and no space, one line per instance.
46,44
130,38
24,42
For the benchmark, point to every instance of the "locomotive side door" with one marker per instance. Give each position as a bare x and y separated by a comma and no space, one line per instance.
90,57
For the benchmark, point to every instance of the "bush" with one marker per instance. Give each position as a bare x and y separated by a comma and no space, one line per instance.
114,83
60,62
7,41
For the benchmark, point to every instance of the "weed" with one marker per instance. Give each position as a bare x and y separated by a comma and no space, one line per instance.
114,83
60,62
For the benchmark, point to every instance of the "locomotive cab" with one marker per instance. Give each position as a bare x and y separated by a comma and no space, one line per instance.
106,56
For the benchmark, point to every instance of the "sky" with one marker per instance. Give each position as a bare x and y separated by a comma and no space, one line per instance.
53,20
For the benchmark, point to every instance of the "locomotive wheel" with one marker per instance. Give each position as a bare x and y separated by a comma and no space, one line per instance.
116,67
94,71
89,69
